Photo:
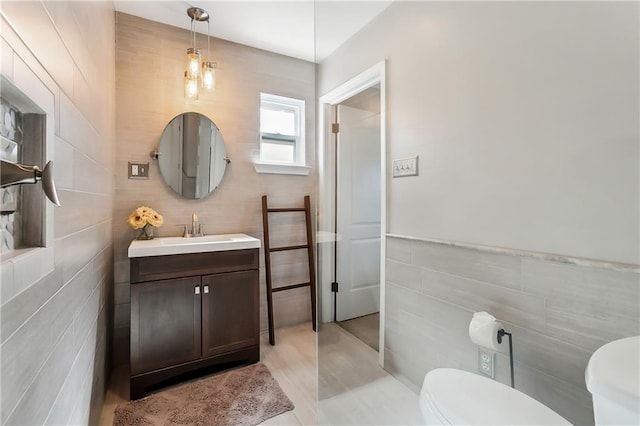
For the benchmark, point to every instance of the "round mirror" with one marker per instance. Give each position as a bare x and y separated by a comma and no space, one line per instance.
191,155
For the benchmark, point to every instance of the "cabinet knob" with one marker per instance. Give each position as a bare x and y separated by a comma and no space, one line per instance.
197,290
206,289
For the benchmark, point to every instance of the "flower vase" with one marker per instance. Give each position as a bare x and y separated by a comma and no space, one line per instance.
146,233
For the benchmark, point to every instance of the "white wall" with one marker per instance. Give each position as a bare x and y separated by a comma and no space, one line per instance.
525,118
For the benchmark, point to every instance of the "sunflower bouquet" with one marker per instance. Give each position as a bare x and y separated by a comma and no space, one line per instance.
144,218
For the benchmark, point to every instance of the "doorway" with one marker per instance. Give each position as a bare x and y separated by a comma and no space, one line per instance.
357,212
351,206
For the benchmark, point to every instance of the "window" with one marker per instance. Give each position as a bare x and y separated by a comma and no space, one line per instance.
281,130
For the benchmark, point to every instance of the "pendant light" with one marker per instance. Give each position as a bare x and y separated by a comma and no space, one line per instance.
199,72
209,75
208,68
190,87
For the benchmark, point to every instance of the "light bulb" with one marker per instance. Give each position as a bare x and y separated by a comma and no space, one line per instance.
190,87
193,62
208,75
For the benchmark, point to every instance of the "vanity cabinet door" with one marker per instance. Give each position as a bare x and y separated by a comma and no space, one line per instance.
230,312
165,323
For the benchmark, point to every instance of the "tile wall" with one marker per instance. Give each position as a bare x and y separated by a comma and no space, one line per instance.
559,313
55,332
150,66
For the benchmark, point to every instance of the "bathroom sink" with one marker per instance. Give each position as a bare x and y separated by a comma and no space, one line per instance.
179,245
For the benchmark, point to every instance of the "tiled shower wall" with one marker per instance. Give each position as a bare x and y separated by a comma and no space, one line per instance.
55,331
150,67
559,311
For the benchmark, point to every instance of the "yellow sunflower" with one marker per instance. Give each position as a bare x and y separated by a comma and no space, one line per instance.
155,219
135,220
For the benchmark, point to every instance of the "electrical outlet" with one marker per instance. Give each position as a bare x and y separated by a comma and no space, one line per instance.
405,167
485,362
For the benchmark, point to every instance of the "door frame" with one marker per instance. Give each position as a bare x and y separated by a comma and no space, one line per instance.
327,190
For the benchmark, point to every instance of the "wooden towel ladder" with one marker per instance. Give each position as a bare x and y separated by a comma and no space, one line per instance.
267,261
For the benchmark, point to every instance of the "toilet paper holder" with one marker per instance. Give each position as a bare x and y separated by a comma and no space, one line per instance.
501,334
486,331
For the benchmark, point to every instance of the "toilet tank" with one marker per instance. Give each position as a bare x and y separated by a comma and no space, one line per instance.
613,378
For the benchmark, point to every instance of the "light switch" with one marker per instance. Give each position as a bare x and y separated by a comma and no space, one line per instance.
405,167
138,170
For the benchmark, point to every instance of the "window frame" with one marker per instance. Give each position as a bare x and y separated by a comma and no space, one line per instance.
297,106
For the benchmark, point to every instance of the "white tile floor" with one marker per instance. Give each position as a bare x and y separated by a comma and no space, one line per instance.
341,370
354,390
384,401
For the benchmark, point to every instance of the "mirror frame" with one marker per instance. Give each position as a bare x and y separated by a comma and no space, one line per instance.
182,148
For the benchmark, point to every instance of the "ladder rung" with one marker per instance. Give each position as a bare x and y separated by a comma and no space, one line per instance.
292,209
290,287
304,246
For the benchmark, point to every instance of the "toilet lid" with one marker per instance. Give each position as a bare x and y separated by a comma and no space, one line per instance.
614,372
459,397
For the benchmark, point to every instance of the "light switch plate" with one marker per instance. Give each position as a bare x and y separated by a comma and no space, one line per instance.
405,167
138,170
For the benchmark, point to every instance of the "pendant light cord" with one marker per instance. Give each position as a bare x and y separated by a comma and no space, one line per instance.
208,42
193,34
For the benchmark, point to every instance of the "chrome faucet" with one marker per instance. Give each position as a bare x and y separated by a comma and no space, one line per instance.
194,225
195,230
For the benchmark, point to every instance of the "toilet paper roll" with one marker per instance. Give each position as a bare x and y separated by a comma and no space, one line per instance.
483,331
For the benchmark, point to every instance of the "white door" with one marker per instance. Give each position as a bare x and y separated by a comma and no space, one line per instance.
358,213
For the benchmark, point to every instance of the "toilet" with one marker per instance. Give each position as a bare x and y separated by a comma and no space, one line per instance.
456,397
613,378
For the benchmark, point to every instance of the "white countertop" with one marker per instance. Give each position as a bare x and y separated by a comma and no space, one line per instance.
179,245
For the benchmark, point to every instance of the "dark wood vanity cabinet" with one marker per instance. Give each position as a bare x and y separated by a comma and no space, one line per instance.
166,324
204,313
226,298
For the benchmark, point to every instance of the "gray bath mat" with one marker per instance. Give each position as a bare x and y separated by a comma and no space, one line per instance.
246,396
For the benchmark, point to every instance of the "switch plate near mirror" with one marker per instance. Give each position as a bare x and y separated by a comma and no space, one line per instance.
138,170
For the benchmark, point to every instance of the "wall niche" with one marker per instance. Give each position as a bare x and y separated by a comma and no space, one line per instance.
22,140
